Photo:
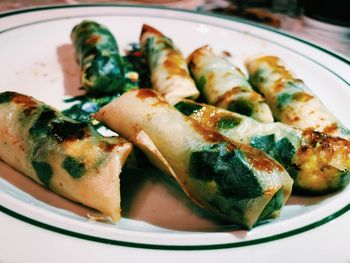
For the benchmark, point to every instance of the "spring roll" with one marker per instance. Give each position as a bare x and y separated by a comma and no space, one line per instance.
290,100
238,183
102,68
169,73
317,162
66,156
225,86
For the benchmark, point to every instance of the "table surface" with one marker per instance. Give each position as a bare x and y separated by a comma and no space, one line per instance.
328,36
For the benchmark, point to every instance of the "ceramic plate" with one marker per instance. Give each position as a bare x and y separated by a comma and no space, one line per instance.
37,59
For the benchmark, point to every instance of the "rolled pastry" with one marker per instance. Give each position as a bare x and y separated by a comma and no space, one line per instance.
66,156
225,86
290,100
238,183
169,73
102,67
317,162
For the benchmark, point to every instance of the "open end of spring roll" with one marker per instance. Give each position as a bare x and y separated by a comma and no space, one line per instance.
225,86
64,155
102,67
289,98
238,183
318,163
169,73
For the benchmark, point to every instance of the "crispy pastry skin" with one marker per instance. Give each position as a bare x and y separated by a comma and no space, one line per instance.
169,73
225,86
102,69
318,163
68,157
238,183
290,100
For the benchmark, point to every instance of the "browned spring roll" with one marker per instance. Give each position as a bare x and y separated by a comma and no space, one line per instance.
68,157
236,182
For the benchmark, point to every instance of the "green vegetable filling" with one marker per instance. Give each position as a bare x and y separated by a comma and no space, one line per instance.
228,169
274,205
257,78
283,151
41,126
344,179
287,95
228,122
68,130
284,99
264,143
6,96
134,62
202,81
99,56
243,107
49,124
43,171
75,168
187,108
106,73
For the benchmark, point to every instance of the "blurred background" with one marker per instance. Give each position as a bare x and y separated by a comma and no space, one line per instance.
323,22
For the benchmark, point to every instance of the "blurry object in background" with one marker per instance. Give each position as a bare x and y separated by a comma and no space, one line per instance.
334,12
327,22
6,5
289,7
184,4
256,10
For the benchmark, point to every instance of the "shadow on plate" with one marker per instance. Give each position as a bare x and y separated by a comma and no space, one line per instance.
70,69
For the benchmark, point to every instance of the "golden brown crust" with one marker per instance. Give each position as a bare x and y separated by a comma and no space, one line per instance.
172,62
196,53
148,29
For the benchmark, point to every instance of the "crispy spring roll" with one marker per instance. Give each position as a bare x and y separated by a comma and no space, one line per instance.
289,98
169,73
238,183
317,162
225,86
66,156
102,68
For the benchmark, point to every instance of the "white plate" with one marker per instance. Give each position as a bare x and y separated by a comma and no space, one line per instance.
37,59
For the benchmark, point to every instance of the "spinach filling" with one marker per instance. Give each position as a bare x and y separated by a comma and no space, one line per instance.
263,143
187,108
229,170
64,130
86,105
41,127
257,78
228,122
243,107
50,125
284,99
106,73
274,205
98,54
344,179
6,96
75,168
291,89
43,171
282,151
202,81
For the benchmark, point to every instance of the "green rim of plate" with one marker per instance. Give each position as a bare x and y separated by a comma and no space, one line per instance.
290,233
